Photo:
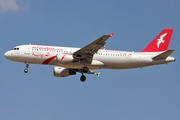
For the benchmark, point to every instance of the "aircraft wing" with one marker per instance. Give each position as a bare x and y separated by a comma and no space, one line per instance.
89,50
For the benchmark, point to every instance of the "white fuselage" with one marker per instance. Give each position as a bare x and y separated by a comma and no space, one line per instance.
108,59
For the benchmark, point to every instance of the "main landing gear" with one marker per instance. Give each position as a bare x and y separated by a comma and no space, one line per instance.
84,70
87,70
26,69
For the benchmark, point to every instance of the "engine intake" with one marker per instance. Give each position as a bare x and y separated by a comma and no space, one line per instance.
62,72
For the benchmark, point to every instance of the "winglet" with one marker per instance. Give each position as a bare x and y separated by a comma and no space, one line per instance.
111,35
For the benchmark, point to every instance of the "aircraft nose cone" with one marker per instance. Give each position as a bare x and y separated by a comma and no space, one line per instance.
7,55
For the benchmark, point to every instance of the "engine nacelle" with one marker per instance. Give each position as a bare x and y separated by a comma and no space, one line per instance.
63,58
62,72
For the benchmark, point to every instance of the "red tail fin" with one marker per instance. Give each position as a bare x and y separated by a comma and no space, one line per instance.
160,43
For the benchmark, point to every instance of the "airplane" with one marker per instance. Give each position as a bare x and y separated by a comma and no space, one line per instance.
69,61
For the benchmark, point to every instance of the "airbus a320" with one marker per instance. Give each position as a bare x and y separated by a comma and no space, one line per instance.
69,61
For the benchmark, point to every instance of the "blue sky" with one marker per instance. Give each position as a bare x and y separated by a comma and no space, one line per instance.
138,94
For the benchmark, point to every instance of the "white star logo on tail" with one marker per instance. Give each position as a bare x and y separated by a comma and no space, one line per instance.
161,39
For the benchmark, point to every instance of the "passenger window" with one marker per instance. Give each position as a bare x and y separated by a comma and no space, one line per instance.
17,48
14,48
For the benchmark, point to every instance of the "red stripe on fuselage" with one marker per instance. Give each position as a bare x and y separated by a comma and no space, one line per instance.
48,60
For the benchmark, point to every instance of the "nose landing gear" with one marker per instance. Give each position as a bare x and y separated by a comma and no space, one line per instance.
26,69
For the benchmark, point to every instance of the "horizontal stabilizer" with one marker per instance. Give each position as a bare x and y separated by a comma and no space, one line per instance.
163,55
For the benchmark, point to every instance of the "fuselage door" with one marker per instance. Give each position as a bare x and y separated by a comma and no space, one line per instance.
27,49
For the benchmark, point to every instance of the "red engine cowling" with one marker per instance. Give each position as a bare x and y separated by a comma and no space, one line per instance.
62,58
62,72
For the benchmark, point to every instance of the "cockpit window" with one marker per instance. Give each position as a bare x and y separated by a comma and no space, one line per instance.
15,48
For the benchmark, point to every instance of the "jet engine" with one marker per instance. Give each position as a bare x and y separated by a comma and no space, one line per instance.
63,58
62,72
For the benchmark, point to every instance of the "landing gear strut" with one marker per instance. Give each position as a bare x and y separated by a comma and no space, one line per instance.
26,69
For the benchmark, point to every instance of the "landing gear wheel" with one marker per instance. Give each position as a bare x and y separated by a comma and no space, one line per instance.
85,69
83,78
25,70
